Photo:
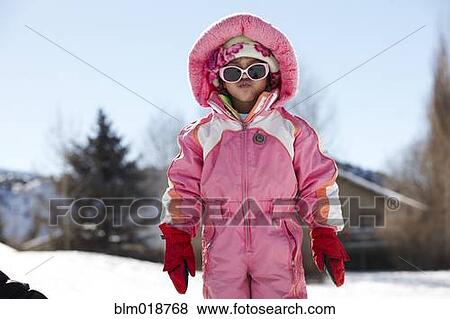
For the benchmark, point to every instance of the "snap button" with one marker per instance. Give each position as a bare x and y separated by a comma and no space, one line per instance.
258,138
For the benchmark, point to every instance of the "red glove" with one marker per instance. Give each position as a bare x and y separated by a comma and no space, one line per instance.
328,253
179,257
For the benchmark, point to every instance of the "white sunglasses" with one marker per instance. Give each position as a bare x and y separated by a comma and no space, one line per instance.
233,73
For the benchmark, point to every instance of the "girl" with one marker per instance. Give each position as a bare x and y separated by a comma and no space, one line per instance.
247,170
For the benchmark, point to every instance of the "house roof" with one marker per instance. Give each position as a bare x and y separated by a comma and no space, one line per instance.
380,189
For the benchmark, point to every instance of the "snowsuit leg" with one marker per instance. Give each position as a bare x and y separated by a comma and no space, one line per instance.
270,266
224,263
275,265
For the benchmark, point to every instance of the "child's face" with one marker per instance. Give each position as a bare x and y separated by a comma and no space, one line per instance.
246,90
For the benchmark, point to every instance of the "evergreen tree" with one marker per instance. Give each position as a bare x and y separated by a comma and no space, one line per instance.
98,170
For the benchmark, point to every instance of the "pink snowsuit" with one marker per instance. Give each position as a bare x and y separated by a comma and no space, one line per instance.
271,154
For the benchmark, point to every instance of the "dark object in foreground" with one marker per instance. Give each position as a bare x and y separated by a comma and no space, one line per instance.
10,289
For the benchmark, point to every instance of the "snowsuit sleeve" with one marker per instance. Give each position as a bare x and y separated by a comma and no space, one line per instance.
181,202
318,193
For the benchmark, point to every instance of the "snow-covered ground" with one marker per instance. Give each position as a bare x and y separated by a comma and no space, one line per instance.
73,274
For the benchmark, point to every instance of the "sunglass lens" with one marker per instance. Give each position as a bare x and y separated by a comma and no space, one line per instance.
231,74
257,72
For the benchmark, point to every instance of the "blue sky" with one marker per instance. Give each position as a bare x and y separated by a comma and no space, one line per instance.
380,108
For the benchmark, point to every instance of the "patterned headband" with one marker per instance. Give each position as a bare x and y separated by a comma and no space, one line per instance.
236,47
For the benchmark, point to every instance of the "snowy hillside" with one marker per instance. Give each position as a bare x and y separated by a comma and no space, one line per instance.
24,211
24,205
66,274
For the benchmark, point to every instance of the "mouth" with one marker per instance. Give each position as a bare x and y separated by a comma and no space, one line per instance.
245,85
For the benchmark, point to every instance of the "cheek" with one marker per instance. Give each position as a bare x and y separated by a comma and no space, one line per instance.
261,85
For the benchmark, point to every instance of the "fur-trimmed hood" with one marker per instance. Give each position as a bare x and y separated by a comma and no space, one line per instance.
258,30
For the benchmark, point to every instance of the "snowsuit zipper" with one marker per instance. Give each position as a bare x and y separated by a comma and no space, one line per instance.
244,187
244,165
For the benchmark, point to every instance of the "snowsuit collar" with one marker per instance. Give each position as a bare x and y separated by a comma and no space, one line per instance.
222,104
